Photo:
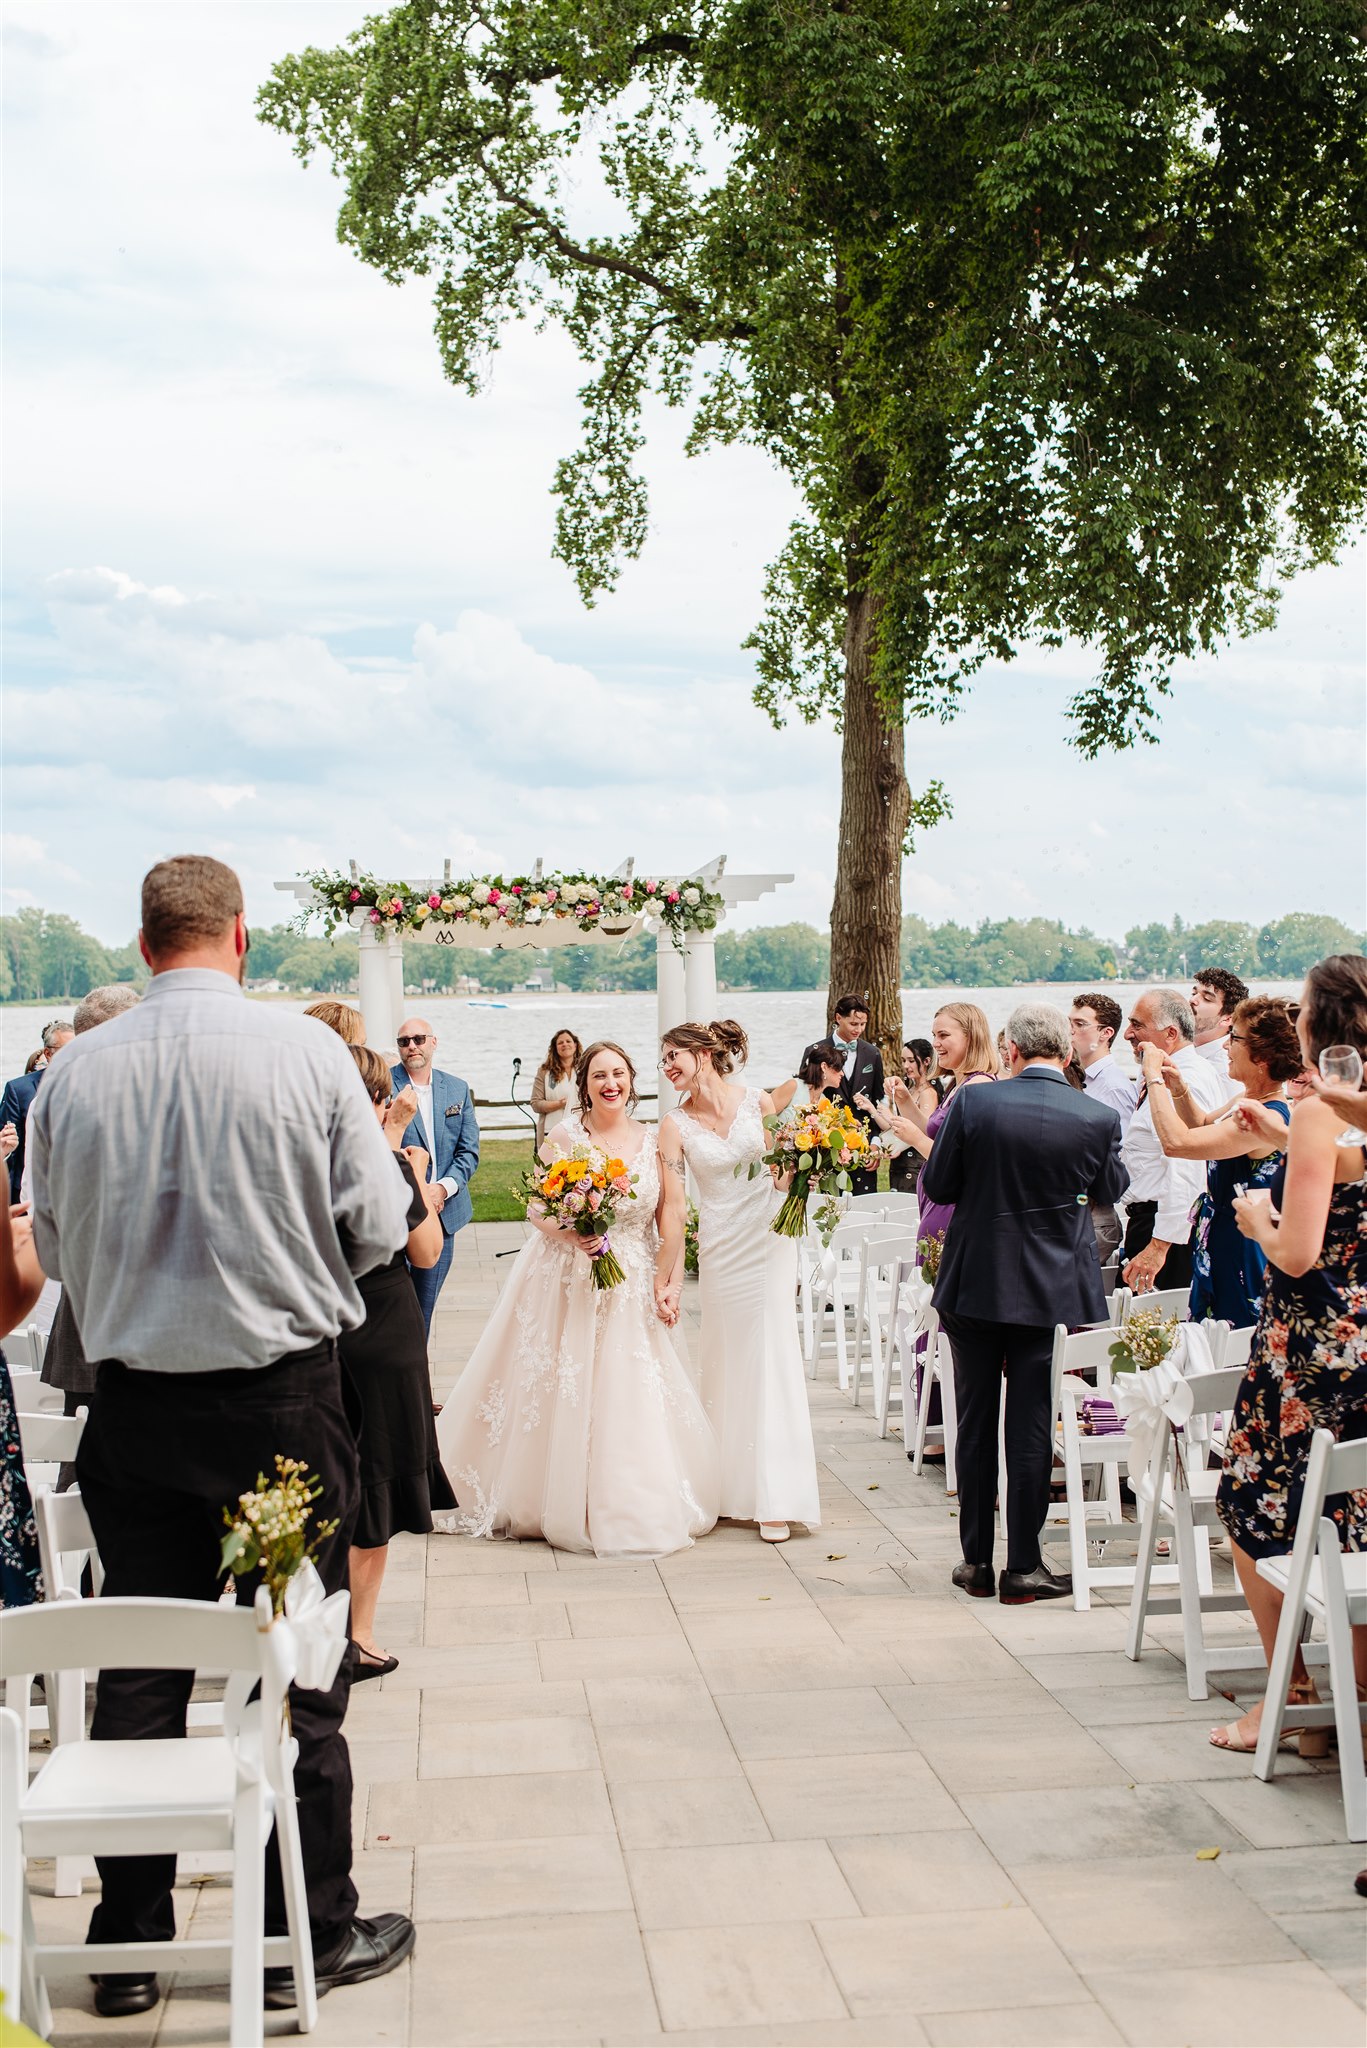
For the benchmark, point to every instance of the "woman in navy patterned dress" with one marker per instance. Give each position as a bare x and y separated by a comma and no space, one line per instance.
1308,1367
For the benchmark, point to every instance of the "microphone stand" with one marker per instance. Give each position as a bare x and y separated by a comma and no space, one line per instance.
531,1118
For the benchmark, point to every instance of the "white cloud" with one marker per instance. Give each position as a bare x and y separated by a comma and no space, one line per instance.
331,626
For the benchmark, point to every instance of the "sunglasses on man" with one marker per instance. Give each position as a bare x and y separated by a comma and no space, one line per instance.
418,1038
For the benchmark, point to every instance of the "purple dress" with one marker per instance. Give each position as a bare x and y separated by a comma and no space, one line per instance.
934,1217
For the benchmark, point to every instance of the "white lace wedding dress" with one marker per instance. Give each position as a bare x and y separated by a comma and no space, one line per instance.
754,1387
575,1418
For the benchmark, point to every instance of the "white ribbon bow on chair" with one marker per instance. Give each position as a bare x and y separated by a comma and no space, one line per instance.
319,1621
1149,1400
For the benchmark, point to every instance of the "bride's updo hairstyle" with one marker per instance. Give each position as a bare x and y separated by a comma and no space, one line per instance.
586,1060
725,1044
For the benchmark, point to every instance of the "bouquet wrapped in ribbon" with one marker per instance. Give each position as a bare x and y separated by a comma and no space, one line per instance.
816,1152
1144,1341
582,1192
268,1529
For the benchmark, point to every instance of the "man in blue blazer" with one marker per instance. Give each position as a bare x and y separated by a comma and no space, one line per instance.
1020,1161
446,1129
17,1101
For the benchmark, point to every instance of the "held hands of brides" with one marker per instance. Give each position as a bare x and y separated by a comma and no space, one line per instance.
667,1299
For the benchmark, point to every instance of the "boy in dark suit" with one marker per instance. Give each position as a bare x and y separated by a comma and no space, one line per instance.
1020,1162
863,1069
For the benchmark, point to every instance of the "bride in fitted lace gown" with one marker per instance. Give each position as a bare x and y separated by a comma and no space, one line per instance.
753,1384
575,1418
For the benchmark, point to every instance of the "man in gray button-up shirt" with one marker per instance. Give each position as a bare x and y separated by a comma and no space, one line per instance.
208,1179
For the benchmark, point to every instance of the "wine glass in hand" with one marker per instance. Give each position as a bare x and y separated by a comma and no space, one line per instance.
1342,1064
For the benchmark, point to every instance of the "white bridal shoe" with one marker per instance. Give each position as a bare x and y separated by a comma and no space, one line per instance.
774,1532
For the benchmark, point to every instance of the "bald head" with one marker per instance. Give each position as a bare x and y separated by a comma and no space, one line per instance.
417,1053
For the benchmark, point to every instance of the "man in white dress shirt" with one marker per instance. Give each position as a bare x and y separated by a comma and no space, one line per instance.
1162,1191
1215,995
1093,1023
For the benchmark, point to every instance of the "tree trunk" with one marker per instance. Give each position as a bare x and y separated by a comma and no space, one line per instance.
866,915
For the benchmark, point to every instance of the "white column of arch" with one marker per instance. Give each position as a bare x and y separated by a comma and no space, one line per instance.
374,990
394,969
700,977
671,1002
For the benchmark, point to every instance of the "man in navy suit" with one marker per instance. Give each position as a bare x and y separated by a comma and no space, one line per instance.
1020,1162
445,1127
17,1101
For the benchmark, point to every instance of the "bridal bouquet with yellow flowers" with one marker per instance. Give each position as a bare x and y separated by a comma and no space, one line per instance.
815,1153
582,1192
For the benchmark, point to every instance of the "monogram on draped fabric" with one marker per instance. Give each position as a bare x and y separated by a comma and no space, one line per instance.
753,1384
575,1418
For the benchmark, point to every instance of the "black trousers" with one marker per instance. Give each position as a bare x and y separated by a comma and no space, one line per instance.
162,1455
983,1353
1175,1270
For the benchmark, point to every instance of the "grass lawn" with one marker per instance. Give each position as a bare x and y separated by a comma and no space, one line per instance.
495,1189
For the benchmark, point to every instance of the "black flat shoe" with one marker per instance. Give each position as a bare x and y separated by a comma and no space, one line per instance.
978,1579
369,1948
366,1665
1018,1589
119,1995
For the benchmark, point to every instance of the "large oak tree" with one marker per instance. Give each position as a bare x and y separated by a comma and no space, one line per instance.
1052,310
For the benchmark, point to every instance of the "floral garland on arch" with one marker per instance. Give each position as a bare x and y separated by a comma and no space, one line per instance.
595,903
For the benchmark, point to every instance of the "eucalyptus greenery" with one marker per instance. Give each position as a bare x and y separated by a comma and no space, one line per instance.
1052,310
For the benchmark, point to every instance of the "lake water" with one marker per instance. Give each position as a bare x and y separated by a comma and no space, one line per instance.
481,1042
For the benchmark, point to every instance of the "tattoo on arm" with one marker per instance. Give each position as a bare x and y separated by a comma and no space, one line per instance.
677,1166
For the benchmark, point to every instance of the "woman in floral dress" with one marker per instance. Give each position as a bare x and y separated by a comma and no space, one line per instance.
1308,1366
21,1282
1264,1054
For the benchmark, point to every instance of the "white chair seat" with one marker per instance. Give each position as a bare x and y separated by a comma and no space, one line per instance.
1277,1571
85,1787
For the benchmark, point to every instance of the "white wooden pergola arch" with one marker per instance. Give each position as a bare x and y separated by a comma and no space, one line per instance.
686,970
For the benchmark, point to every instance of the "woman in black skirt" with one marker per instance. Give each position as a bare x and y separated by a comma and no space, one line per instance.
386,1363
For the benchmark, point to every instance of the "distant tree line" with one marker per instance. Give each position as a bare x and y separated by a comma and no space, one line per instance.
46,956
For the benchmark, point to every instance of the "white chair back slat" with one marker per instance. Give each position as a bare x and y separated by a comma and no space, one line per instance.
883,1249
1234,1347
1332,1469
49,1439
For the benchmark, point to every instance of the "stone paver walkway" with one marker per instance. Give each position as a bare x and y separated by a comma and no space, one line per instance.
803,1796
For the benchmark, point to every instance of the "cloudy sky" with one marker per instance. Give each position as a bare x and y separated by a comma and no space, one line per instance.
277,592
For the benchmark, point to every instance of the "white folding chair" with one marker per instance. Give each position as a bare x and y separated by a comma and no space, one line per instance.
1169,1301
883,1247
904,1321
833,1286
217,1793
29,1391
29,1346
1180,1492
48,1441
900,1204
66,1545
1327,1584
1087,1521
937,1369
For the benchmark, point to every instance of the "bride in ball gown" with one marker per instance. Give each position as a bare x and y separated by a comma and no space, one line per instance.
575,1418
753,1384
